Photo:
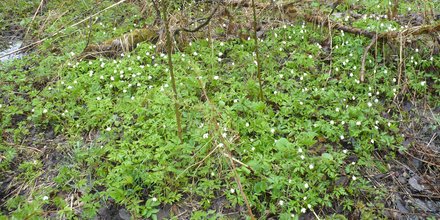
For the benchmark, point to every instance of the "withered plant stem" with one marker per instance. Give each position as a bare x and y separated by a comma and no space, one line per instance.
257,54
170,66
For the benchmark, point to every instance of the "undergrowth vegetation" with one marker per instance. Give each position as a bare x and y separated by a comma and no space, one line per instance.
79,134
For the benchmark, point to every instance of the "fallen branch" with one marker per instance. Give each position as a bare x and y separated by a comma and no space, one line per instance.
293,13
387,36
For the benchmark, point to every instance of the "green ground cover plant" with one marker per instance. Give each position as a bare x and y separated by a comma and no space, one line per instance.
80,134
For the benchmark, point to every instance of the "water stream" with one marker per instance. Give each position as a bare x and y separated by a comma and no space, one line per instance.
11,47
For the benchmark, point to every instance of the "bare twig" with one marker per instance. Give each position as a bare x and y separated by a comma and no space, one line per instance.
200,162
158,16
427,162
401,41
257,54
90,34
364,57
227,148
239,162
33,18
23,147
207,20
330,56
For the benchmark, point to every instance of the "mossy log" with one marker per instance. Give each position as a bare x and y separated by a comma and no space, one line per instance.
123,44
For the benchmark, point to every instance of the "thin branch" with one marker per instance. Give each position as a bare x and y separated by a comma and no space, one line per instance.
364,57
33,18
257,54
158,16
207,20
200,162
239,162
170,65
90,34
227,148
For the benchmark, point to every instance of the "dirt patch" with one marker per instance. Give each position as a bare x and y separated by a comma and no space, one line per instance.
413,180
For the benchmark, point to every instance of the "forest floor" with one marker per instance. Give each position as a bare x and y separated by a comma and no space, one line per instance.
335,114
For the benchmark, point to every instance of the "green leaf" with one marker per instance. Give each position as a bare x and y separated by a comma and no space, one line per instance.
307,139
327,156
260,187
283,143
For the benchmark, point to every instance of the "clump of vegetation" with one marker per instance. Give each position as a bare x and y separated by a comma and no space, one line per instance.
79,135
